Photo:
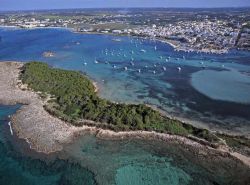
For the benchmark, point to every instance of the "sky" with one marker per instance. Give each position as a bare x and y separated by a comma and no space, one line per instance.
63,4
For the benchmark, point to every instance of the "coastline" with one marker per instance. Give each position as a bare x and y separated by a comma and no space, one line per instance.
48,134
166,41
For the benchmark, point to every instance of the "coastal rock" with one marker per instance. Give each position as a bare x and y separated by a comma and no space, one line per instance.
47,134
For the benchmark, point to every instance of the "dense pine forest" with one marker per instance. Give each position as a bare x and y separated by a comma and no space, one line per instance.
73,98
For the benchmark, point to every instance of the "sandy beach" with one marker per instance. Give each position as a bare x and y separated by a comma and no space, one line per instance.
47,134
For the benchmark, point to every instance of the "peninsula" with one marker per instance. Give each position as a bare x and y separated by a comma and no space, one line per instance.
58,105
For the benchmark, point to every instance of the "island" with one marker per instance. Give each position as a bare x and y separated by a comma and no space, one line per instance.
59,105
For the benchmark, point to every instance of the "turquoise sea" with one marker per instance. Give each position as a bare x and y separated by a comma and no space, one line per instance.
213,90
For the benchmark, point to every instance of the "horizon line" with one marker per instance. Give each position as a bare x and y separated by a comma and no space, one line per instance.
44,9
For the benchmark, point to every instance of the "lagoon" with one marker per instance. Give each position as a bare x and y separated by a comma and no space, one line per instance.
133,161
169,89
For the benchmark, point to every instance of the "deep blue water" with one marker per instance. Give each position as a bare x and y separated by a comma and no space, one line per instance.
212,89
193,93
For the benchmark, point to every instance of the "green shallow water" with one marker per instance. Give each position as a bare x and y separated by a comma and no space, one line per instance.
142,162
19,169
138,162
90,160
154,173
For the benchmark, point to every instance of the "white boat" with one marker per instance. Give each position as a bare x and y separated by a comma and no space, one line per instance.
125,68
11,131
132,63
139,70
179,68
117,40
85,63
143,50
155,48
155,65
164,68
154,72
96,61
167,60
114,66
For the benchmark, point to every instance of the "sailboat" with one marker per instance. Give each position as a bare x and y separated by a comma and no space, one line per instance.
96,62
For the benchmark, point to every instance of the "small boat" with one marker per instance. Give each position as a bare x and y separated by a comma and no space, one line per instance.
96,61
146,66
161,57
154,72
117,40
139,70
114,66
11,131
155,65
132,63
125,68
143,50
164,68
179,68
155,48
167,60
85,63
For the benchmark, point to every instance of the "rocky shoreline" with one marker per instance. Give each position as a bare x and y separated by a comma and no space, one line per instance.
47,134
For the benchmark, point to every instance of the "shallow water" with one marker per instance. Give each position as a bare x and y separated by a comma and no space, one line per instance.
217,103
90,160
141,162
18,169
136,162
